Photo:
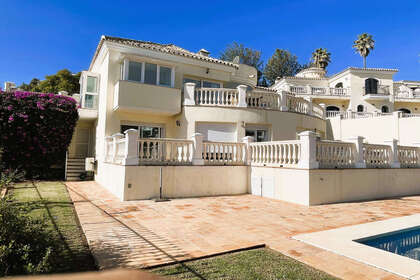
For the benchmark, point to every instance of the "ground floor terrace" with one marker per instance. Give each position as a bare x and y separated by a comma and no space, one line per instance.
146,233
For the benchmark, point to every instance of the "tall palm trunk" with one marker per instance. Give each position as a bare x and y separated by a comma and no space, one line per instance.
364,62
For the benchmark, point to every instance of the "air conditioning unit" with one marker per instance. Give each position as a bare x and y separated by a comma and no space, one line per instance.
90,164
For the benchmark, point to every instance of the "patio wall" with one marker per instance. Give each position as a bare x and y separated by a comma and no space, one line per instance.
143,182
322,186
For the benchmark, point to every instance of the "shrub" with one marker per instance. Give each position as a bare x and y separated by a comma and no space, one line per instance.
35,130
9,176
25,246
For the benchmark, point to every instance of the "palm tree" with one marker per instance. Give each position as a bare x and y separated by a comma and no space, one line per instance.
321,58
363,45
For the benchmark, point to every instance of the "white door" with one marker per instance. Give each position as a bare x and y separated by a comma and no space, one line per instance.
217,132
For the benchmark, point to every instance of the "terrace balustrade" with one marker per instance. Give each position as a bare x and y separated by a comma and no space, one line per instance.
306,153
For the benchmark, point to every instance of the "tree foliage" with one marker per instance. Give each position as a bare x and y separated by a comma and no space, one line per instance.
363,45
35,130
63,80
321,58
281,64
246,56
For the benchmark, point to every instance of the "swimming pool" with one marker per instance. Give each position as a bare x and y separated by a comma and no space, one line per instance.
403,242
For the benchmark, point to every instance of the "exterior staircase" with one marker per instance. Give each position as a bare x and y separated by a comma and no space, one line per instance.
75,166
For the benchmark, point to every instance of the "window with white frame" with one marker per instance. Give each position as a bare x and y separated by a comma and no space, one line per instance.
203,83
148,73
89,90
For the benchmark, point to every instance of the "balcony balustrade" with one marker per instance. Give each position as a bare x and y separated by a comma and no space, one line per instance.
319,91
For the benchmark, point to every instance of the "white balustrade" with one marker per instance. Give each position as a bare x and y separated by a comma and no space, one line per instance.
333,114
275,153
377,156
263,100
339,91
335,154
298,90
224,153
409,156
217,97
165,151
319,90
297,104
317,110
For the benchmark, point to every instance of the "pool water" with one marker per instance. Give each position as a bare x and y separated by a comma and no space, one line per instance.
404,242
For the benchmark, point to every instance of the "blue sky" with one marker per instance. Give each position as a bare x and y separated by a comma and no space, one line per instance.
41,37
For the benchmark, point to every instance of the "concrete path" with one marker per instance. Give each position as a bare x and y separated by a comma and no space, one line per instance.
145,233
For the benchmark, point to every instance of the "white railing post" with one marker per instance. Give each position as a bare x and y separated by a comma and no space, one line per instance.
395,162
308,89
248,140
359,160
283,101
131,153
107,150
115,138
324,110
197,139
189,89
308,150
242,95
310,105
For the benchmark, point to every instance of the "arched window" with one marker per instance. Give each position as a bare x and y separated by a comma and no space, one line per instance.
385,109
404,110
339,85
332,108
371,86
360,108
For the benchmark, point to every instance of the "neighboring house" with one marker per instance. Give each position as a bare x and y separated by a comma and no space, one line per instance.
363,90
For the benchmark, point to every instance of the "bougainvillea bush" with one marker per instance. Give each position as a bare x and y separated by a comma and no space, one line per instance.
35,130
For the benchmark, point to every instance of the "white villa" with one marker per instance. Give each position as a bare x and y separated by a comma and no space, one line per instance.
158,119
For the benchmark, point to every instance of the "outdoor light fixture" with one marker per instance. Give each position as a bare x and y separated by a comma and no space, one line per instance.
207,70
178,123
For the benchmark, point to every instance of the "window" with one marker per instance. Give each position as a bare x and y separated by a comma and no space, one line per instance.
165,76
385,109
371,86
360,108
134,71
147,73
339,85
332,108
145,131
204,84
91,84
259,134
404,110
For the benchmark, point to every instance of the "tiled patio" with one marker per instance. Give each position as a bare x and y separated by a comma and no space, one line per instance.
146,233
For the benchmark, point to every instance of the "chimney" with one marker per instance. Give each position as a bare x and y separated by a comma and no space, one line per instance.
204,52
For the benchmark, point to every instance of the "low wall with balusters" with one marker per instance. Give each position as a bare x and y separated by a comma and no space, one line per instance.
307,171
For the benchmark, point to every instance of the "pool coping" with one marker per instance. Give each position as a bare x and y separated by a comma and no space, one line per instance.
341,241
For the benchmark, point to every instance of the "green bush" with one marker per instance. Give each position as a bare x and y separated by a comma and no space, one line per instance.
10,176
25,246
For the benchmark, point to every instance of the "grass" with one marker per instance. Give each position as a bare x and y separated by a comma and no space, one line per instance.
51,202
255,264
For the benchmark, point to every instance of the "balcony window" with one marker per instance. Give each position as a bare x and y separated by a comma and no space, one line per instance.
203,83
371,86
134,71
165,76
148,73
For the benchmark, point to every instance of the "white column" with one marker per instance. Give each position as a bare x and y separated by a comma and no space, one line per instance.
197,139
189,89
131,153
242,95
308,89
308,150
395,162
359,157
283,101
125,69
115,138
324,110
310,105
248,140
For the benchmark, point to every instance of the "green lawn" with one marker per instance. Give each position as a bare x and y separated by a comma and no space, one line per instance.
253,264
50,201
